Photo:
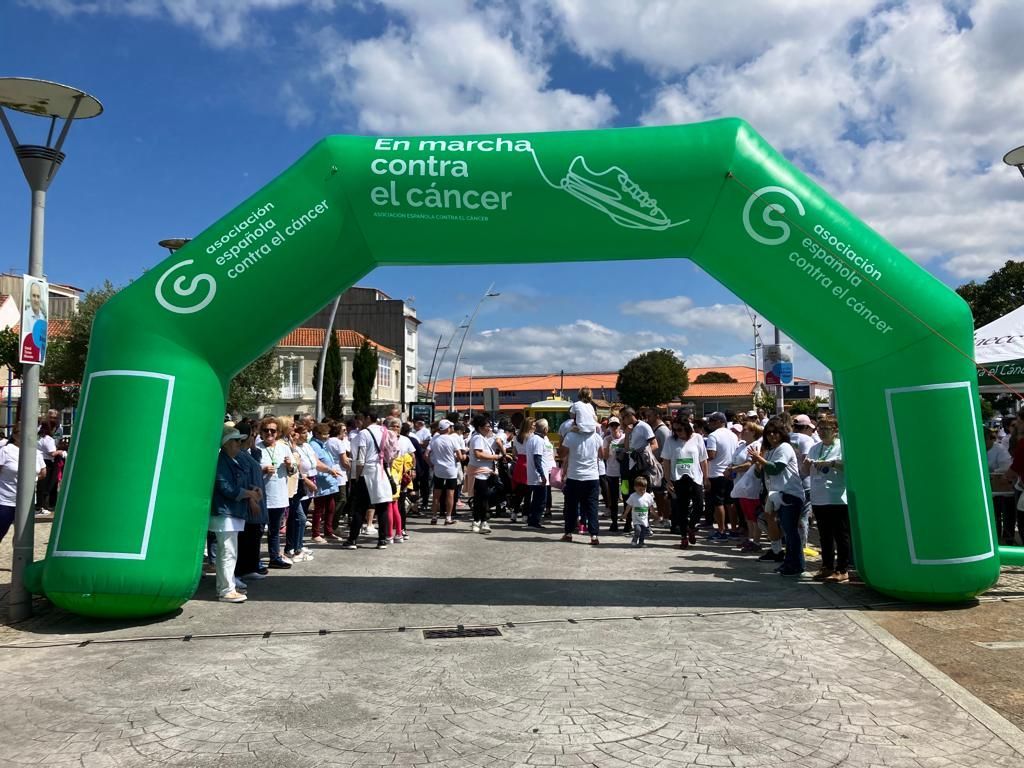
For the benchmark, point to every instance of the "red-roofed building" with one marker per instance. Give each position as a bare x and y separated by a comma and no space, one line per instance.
519,391
299,352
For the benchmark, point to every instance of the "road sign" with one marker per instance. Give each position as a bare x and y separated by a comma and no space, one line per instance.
491,402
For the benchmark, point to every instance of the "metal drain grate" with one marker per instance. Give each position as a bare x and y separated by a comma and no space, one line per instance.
460,631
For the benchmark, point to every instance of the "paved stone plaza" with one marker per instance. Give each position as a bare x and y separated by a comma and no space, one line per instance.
607,657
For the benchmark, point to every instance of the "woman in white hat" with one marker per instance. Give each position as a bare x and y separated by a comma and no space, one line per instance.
229,508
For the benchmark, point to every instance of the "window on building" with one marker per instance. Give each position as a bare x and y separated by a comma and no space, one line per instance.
291,375
383,373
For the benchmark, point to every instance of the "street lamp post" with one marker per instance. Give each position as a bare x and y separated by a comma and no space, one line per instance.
1015,157
39,163
323,360
444,354
458,355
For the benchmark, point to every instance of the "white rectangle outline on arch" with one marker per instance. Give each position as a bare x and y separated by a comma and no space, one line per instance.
903,490
57,552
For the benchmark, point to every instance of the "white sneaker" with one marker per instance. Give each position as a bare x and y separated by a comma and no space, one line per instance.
364,530
371,530
475,528
485,528
307,551
405,536
396,539
286,560
233,597
301,557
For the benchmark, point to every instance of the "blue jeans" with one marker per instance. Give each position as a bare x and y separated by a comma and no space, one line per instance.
789,520
274,532
581,497
296,527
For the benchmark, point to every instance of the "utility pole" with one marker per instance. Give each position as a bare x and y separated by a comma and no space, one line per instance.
780,399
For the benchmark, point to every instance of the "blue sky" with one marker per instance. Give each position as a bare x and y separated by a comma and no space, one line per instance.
901,110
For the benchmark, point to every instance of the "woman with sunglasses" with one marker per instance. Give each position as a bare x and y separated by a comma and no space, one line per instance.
277,463
685,459
776,462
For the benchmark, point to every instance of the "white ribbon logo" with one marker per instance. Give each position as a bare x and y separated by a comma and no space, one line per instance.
187,291
767,217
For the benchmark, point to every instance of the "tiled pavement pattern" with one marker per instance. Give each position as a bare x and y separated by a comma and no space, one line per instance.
803,687
788,689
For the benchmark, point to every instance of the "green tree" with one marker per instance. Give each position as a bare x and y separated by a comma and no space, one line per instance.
808,407
652,379
331,397
1001,293
364,374
714,377
765,399
255,385
80,331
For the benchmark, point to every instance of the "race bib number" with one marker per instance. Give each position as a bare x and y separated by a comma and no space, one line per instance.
685,465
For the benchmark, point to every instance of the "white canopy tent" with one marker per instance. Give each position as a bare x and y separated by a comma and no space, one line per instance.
999,347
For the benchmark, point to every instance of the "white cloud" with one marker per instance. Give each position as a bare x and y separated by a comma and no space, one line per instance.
680,312
674,36
222,23
582,345
901,113
451,70
718,361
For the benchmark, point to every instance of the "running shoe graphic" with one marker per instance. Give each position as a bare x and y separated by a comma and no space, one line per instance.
617,195
613,193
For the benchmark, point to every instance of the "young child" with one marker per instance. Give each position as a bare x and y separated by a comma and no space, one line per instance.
582,412
639,504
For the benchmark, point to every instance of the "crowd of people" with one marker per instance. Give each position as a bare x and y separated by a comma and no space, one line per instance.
748,480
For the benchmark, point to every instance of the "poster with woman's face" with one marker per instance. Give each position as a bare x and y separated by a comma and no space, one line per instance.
34,311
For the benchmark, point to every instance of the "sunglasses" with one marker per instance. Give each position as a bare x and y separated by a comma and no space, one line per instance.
267,431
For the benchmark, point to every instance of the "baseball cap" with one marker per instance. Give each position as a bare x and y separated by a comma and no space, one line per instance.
752,414
231,434
803,420
614,420
736,427
444,424
717,416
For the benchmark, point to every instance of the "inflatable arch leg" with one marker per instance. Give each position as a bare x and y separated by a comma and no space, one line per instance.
128,536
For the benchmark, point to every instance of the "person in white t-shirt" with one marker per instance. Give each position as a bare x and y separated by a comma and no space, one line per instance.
802,437
721,445
10,454
582,413
641,438
824,464
776,462
421,431
445,453
614,446
481,462
46,490
685,459
278,465
1006,512
582,481
540,459
639,505
746,488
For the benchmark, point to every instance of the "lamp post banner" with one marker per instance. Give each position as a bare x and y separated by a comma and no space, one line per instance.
35,309
897,339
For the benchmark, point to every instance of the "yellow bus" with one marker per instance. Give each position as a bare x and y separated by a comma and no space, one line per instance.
556,411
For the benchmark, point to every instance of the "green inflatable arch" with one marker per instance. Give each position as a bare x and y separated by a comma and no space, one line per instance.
128,538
